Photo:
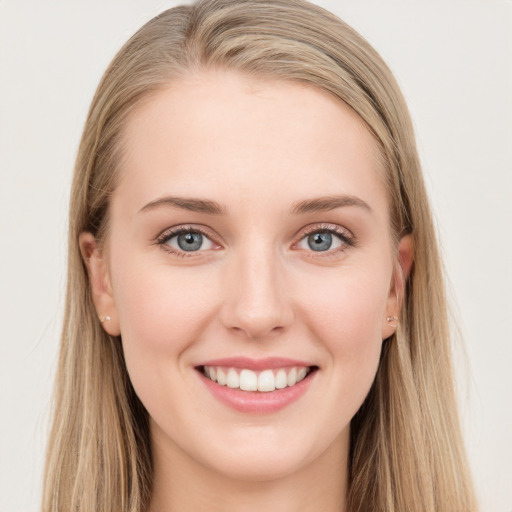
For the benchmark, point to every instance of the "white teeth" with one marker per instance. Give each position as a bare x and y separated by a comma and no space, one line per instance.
301,374
249,380
233,380
266,381
281,379
291,380
221,377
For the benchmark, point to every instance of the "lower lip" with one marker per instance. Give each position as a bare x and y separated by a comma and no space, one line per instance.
256,401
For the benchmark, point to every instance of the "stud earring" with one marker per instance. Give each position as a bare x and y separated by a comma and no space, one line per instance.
391,319
104,319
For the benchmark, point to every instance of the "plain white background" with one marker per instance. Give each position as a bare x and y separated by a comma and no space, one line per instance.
453,60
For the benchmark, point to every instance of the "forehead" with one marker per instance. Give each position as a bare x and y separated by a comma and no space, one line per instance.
222,132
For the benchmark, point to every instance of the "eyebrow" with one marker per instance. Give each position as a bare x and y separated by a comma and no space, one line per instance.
326,203
187,203
318,204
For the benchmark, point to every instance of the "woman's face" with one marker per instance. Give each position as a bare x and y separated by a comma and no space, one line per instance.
249,238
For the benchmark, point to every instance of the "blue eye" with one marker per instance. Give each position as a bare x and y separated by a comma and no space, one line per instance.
187,241
320,241
190,241
323,240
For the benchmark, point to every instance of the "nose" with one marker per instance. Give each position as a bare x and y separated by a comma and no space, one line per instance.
257,302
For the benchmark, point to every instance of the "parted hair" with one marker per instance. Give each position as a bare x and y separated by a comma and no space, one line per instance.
406,448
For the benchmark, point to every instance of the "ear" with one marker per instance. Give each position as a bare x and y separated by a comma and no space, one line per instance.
396,294
100,283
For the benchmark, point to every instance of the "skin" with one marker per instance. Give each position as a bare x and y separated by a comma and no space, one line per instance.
255,288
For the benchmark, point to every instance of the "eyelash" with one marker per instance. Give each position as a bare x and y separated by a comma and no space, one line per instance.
347,239
168,234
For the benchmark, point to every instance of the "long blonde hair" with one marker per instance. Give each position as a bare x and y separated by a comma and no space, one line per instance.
406,450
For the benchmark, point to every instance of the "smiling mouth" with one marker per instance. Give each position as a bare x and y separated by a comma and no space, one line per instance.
260,381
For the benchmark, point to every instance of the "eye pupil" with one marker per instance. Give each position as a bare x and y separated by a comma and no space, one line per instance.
190,241
320,241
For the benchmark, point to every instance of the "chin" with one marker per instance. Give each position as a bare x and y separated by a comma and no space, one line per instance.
258,467
266,453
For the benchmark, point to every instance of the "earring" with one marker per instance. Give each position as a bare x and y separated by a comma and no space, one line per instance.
391,319
104,319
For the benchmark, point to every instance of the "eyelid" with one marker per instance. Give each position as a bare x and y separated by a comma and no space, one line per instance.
182,228
331,228
347,238
171,232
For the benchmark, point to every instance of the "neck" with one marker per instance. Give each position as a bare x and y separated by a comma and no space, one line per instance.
182,484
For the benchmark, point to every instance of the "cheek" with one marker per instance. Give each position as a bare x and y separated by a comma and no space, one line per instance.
346,320
347,312
162,311
159,304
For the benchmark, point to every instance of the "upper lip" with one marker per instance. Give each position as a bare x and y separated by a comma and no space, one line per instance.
266,363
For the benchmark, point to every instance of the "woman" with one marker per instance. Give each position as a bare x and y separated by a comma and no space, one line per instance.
255,311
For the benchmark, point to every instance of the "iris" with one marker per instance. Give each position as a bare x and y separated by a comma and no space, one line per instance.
320,241
190,241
